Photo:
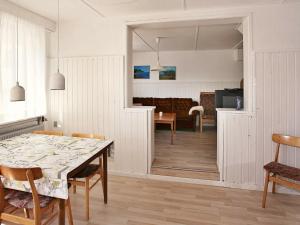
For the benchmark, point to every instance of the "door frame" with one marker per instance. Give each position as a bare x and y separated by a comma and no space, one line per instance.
248,57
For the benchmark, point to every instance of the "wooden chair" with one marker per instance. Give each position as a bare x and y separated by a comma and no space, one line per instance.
87,174
279,173
40,205
48,132
207,100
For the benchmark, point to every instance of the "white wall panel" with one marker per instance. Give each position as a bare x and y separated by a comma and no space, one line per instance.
247,140
93,103
278,82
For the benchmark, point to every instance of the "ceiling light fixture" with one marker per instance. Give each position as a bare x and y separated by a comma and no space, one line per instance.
158,66
57,80
17,93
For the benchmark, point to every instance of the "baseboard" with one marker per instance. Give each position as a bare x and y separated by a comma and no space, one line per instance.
253,187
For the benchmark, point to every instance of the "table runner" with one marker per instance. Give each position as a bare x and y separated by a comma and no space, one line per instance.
56,155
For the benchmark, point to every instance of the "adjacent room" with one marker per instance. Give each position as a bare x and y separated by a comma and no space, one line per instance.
149,112
187,70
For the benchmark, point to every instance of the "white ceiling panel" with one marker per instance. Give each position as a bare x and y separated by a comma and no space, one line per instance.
173,38
195,4
135,7
183,38
218,37
76,9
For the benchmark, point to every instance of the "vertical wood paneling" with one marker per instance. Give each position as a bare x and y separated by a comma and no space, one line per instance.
248,138
277,92
92,102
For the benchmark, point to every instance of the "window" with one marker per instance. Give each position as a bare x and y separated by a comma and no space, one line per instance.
32,66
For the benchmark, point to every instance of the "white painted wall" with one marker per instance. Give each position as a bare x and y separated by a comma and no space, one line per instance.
275,28
196,71
214,65
93,103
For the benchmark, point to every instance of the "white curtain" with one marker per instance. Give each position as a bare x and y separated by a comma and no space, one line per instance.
32,66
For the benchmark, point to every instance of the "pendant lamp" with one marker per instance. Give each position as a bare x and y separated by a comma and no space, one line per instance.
158,66
17,93
57,80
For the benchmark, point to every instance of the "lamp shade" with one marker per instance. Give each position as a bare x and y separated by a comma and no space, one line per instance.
57,81
158,67
17,93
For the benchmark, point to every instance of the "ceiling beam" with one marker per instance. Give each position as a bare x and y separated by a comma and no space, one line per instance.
196,38
143,40
16,10
90,6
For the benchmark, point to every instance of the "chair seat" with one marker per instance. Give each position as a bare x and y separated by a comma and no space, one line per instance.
283,170
87,171
20,199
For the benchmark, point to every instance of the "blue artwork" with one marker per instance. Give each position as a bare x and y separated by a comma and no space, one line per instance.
168,73
141,72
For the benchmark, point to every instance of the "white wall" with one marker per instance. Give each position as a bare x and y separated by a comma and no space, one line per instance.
196,71
275,28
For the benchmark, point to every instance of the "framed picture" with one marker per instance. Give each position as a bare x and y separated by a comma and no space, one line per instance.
141,72
169,73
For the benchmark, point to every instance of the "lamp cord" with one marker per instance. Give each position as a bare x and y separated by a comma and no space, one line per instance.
58,19
17,49
158,40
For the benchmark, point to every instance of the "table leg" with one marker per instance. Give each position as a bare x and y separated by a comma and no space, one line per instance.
175,126
172,133
105,175
62,212
200,123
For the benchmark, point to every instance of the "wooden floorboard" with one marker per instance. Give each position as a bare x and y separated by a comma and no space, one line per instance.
148,202
193,154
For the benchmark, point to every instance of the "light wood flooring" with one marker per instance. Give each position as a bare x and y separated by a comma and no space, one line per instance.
134,201
193,154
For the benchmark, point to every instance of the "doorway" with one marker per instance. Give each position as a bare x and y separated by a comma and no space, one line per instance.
194,154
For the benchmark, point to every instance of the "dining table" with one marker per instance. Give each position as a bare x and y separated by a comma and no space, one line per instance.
59,157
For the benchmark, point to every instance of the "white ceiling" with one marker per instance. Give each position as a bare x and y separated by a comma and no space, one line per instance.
192,35
76,9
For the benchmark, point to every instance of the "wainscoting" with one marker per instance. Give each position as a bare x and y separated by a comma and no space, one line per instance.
179,89
93,103
277,106
246,138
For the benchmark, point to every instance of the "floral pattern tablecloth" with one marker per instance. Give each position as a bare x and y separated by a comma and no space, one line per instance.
56,155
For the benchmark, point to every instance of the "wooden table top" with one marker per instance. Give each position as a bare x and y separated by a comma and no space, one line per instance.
170,117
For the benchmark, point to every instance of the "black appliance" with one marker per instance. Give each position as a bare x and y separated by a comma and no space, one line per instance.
227,98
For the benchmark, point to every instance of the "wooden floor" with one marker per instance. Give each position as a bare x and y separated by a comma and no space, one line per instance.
134,201
193,155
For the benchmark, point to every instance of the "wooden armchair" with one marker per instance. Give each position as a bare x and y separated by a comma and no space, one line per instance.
48,132
38,204
87,174
279,173
207,100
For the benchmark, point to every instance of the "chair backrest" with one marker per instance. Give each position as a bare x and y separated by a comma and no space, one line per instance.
286,140
207,100
22,174
49,132
83,135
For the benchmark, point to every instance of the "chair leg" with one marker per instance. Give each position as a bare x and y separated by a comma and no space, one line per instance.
74,187
69,211
101,173
265,190
274,187
87,198
26,213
